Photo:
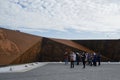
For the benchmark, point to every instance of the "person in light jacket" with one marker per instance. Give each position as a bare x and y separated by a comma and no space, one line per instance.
72,59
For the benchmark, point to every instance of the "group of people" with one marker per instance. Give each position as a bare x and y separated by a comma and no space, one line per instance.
86,58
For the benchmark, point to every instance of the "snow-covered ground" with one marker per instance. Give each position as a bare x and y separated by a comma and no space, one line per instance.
110,63
30,66
22,67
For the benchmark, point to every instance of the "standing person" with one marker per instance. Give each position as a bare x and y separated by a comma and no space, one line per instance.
87,58
66,58
98,59
94,59
91,59
72,59
83,56
77,58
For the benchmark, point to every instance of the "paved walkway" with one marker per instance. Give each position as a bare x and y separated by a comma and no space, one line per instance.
58,71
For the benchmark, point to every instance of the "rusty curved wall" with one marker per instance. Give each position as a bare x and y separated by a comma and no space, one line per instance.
17,47
14,45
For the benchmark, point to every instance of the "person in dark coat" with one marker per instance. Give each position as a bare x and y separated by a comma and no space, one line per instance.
94,59
83,56
77,58
99,59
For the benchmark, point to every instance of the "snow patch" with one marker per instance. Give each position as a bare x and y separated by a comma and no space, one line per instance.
21,68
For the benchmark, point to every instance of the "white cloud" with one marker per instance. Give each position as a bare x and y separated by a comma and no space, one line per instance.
90,15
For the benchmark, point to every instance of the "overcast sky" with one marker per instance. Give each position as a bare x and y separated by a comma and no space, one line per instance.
68,19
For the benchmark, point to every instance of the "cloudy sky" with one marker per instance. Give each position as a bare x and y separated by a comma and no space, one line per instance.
68,19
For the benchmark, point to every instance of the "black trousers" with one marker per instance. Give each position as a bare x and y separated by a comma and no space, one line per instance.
72,64
83,64
99,63
94,63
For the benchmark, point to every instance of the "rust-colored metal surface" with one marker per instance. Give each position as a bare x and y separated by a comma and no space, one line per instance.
73,44
14,44
17,47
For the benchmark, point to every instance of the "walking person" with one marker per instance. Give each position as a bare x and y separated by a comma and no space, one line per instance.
83,56
72,59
